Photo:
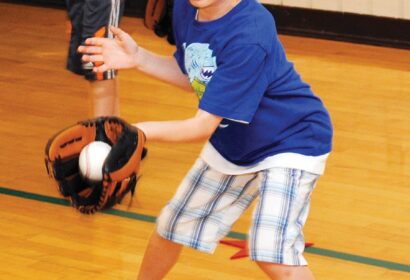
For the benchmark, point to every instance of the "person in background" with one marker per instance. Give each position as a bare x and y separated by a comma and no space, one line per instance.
92,18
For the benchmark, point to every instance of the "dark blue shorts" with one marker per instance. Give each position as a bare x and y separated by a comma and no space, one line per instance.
91,18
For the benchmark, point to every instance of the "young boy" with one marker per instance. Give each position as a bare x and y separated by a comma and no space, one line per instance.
92,18
268,134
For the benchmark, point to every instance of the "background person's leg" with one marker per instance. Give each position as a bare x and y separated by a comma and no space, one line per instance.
104,98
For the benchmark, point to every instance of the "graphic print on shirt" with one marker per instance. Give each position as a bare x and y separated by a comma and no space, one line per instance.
200,66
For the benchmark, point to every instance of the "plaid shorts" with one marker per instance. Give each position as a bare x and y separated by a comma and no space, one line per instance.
207,204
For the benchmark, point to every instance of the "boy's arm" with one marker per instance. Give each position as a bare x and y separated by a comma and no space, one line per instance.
164,68
195,129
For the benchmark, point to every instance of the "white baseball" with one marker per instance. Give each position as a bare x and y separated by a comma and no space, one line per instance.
92,158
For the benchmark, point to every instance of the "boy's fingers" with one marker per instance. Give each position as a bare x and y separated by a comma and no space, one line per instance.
90,50
92,58
85,58
101,68
81,49
117,32
95,58
95,41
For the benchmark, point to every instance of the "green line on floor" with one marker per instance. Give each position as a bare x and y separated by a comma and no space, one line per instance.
235,235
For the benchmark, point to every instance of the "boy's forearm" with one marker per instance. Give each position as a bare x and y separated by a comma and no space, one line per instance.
172,131
198,128
161,67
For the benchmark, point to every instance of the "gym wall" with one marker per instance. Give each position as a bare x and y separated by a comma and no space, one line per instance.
381,8
376,22
132,7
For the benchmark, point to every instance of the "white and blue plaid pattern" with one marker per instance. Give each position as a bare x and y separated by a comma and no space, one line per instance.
207,204
276,234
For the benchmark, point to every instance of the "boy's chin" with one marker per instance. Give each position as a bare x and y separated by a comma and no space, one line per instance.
198,3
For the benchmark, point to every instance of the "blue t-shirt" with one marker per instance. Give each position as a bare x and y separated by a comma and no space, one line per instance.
238,68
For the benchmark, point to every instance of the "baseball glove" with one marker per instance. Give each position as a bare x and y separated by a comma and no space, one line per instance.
158,17
120,168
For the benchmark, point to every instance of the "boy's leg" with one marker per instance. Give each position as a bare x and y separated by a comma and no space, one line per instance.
276,238
160,256
201,212
286,272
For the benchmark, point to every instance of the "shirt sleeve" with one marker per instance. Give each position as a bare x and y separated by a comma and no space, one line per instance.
179,57
179,11
238,84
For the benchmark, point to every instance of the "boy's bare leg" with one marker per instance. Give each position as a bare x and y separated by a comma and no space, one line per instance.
104,99
160,256
286,272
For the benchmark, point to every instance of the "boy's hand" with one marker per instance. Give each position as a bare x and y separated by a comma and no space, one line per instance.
118,53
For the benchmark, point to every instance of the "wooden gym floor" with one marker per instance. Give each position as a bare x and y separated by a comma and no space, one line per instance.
360,216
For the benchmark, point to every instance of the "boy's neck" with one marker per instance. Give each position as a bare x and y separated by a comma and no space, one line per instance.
216,10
